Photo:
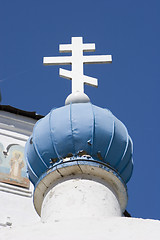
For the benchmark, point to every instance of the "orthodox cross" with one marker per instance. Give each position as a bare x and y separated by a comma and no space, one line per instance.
77,47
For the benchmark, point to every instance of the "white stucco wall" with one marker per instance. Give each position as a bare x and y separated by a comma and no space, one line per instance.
116,228
15,209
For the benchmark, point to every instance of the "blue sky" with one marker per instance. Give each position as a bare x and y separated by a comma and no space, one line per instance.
129,87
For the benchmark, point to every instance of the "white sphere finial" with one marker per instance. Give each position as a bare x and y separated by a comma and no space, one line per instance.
77,97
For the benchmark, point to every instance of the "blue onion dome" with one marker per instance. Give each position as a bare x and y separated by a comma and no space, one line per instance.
76,129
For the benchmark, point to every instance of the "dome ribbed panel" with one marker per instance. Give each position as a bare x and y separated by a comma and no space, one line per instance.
82,127
41,134
127,171
61,132
103,131
118,144
126,157
32,176
35,160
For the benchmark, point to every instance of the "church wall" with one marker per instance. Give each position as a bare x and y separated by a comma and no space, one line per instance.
16,191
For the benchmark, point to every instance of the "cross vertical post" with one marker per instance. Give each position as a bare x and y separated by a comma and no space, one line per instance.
77,65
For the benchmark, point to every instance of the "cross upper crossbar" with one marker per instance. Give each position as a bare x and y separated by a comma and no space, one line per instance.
77,47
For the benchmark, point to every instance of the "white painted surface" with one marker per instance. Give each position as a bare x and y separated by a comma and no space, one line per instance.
76,198
77,60
15,129
17,209
117,228
9,137
16,123
4,187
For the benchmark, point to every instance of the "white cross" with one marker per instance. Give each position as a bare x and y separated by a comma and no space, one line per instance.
77,59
